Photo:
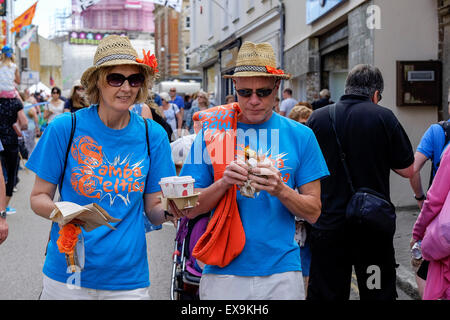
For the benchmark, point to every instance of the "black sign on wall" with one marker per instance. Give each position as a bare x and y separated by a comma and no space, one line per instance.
419,83
3,8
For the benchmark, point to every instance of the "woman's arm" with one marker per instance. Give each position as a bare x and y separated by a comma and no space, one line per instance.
41,198
17,76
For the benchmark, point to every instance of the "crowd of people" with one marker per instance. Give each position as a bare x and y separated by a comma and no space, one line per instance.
283,223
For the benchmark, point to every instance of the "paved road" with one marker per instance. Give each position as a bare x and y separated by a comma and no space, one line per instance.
22,254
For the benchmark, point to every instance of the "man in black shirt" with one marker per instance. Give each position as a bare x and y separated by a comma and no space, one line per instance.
374,142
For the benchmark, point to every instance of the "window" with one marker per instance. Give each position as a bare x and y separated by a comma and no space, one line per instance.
251,6
210,20
187,65
235,11
187,21
114,19
225,14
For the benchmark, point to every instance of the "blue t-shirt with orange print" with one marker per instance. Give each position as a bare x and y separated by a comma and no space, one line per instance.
111,168
269,226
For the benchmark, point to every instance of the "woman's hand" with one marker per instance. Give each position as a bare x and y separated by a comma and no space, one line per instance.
177,213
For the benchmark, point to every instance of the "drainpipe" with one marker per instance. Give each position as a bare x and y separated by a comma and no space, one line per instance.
281,10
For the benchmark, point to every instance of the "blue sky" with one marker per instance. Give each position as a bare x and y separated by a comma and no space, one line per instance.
44,12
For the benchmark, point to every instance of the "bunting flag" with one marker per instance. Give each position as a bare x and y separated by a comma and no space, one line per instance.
24,42
24,19
84,4
174,4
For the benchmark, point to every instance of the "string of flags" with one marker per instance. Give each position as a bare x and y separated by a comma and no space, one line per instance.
134,4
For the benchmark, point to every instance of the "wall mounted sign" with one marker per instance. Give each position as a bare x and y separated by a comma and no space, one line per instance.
317,8
419,83
89,37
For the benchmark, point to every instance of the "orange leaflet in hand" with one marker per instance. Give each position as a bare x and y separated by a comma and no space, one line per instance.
274,70
149,60
68,237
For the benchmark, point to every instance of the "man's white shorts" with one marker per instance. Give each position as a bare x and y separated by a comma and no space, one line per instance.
55,290
278,286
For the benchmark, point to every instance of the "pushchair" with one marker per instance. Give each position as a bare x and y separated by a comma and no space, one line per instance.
186,272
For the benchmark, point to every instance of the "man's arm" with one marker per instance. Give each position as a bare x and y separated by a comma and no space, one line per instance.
306,204
406,172
415,180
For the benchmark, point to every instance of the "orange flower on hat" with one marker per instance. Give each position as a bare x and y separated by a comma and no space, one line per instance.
274,70
68,237
149,60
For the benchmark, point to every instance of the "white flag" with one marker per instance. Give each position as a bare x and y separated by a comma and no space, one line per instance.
84,4
24,42
174,4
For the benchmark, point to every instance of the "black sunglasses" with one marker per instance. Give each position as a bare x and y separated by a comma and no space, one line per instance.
117,79
262,92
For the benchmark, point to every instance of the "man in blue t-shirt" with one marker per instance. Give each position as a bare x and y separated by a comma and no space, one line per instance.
269,266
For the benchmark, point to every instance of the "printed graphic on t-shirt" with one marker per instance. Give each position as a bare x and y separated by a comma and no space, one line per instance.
278,161
95,176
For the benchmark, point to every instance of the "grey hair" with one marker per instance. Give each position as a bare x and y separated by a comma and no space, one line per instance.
364,79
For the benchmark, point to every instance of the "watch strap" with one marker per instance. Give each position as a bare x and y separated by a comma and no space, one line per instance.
420,198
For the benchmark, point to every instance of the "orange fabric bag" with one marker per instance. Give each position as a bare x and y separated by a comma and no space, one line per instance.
224,238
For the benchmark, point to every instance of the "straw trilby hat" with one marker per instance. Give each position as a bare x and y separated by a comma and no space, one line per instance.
114,50
256,60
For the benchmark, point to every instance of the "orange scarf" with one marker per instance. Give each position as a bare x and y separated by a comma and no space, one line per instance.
224,238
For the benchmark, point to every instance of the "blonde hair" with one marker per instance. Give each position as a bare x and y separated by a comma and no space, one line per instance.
99,75
299,112
306,104
205,95
7,60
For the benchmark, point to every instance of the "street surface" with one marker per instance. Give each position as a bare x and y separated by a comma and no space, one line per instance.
22,254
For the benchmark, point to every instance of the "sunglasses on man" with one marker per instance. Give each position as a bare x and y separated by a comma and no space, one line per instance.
117,79
261,92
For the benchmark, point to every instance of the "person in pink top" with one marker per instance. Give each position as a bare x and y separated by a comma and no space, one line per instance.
436,248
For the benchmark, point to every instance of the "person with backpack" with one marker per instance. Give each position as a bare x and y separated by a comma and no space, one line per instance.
431,147
106,155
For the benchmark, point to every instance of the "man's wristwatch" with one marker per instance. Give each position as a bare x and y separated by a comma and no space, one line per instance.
3,214
420,198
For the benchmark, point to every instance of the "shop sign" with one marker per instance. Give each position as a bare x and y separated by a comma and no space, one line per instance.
317,8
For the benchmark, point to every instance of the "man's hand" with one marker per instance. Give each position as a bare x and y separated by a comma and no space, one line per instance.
266,177
235,173
3,230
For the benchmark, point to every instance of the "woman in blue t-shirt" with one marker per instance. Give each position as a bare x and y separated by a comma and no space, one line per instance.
116,160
